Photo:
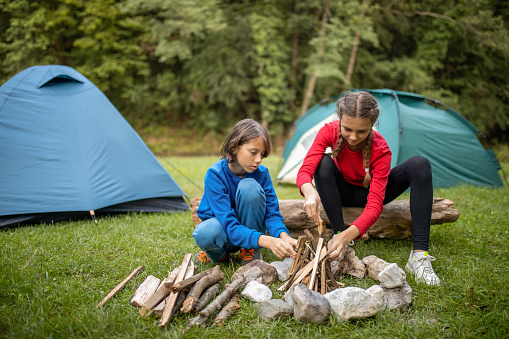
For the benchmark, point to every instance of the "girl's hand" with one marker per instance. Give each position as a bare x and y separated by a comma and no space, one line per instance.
312,202
337,245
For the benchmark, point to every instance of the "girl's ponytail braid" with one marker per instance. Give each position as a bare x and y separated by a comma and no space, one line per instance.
367,159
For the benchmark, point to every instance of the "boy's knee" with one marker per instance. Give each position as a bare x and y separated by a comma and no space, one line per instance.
207,232
250,189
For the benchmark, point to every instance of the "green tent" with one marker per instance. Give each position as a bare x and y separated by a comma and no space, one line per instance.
412,125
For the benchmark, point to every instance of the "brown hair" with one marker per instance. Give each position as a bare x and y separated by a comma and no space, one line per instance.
358,105
241,133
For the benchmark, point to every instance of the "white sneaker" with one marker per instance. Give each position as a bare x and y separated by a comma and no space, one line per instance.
419,264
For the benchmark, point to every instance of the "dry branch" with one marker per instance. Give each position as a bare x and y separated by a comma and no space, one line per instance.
228,292
186,283
226,312
199,287
301,244
206,297
120,286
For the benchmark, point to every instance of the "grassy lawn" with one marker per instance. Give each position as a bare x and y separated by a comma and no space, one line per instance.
52,276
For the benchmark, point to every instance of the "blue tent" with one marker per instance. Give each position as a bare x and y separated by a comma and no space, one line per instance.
66,150
412,125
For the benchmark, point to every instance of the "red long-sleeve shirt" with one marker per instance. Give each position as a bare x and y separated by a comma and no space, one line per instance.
351,166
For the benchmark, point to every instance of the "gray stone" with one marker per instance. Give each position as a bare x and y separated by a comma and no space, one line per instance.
378,295
399,298
269,272
353,302
309,306
289,296
349,264
256,292
392,276
283,268
374,265
274,309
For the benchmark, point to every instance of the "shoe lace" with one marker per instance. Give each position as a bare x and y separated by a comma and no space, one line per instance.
246,254
426,263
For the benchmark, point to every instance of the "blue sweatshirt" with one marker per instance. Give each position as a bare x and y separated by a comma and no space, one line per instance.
218,201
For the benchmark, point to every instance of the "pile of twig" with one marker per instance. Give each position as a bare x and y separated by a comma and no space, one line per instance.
187,292
310,266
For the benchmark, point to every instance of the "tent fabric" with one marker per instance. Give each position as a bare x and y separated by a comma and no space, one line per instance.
64,147
412,125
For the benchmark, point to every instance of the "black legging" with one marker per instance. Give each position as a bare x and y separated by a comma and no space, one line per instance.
415,173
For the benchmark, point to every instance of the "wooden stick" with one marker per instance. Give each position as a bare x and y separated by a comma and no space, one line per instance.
228,292
311,239
173,296
323,288
189,281
320,227
333,281
226,312
145,290
199,287
315,263
206,297
120,286
301,244
289,281
158,310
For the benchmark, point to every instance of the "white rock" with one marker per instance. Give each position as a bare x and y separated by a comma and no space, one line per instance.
392,276
354,302
256,292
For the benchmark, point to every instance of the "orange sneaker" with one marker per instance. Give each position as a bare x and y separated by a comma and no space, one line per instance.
201,258
248,255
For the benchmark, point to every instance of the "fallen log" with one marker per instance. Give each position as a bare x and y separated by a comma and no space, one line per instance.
394,223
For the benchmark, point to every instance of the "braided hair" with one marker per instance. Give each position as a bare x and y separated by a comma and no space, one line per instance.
362,105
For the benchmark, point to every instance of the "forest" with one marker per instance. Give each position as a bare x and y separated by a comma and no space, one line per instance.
199,66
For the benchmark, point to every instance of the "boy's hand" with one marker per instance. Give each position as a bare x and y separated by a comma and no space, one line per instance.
280,248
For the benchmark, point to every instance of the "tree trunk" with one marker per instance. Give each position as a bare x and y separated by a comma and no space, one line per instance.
395,221
310,88
353,54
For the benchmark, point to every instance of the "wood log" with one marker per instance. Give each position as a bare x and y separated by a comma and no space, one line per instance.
120,286
186,283
394,222
228,292
172,298
227,311
159,309
196,291
145,290
206,297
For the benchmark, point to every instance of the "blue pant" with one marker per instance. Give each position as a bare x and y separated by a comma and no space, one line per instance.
250,205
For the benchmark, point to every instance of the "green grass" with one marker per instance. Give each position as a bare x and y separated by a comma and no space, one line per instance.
52,276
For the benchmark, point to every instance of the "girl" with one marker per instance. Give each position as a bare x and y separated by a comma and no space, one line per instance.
359,174
239,205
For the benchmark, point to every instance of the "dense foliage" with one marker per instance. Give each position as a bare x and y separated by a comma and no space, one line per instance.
202,65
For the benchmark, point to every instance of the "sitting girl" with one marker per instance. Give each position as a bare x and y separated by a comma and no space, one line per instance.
359,174
239,206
